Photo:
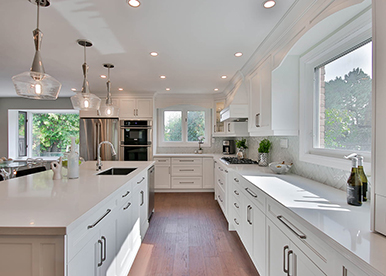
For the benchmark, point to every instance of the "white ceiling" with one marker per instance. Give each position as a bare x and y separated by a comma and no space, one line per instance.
196,42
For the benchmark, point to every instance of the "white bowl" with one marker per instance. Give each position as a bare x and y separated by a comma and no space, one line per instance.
279,168
7,162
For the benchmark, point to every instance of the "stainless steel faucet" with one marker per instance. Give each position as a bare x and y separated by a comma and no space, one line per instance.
99,159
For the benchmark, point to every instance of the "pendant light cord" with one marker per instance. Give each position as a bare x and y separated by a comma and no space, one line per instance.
37,19
85,54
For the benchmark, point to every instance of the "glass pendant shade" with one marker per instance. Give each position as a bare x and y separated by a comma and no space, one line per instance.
85,100
108,109
36,84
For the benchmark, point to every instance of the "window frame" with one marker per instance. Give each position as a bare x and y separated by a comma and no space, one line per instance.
332,47
184,143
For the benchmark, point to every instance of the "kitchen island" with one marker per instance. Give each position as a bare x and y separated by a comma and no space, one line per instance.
72,226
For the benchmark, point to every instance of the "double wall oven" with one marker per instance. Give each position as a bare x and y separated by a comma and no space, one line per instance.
136,136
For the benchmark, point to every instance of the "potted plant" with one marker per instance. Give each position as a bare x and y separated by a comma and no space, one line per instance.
263,151
241,146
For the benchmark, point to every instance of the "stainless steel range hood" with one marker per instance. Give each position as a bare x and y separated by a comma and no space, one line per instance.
237,110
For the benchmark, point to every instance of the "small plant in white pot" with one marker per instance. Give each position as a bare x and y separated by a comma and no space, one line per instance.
263,151
241,146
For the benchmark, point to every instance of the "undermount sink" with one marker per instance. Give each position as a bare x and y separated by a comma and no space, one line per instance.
117,171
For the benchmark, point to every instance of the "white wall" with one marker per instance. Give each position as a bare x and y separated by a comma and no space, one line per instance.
21,103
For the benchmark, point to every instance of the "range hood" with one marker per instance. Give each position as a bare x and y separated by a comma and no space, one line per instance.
238,109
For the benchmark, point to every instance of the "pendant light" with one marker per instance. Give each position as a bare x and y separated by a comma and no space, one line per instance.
108,109
36,84
84,100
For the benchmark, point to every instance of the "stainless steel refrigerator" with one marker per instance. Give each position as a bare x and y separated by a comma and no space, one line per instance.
95,130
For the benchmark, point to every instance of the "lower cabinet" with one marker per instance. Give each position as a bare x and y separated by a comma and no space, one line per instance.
344,267
142,194
162,173
284,257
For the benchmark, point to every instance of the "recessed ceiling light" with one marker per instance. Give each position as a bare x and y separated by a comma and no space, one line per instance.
224,77
73,89
134,3
120,89
216,89
103,76
162,77
154,54
238,54
167,89
269,4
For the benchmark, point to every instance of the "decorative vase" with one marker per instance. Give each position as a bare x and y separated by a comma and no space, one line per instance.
241,153
262,159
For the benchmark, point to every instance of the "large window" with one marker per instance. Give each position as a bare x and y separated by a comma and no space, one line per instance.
343,101
41,133
183,126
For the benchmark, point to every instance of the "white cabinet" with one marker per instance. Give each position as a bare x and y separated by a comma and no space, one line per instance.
284,257
274,104
136,108
142,194
221,179
344,267
207,173
162,173
187,173
226,129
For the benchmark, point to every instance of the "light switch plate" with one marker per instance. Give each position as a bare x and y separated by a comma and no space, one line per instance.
284,143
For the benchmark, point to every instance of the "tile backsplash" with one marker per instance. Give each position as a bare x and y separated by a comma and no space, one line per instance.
333,177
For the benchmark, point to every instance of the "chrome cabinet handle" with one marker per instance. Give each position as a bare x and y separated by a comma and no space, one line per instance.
161,160
344,271
237,206
185,182
292,227
99,220
250,192
101,262
220,169
249,208
220,198
236,180
219,181
127,206
139,182
285,269
186,170
126,194
235,191
229,127
290,252
226,171
257,120
134,111
142,198
236,221
182,160
104,248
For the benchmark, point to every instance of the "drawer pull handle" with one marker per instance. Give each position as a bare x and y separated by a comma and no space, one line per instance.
220,169
237,206
250,192
292,227
285,269
226,171
220,198
139,182
236,180
290,252
101,262
236,192
161,160
127,193
219,181
236,221
99,220
186,160
142,198
249,208
186,170
344,272
127,206
104,248
191,182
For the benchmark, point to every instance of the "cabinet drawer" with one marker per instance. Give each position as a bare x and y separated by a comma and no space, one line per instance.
220,184
191,170
186,182
298,232
162,161
236,220
236,206
187,161
221,200
235,189
88,225
124,193
140,179
251,191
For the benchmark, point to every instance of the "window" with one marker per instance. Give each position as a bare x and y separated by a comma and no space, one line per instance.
343,100
182,126
41,133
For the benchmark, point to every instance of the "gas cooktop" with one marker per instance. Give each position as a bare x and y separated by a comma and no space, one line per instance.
235,160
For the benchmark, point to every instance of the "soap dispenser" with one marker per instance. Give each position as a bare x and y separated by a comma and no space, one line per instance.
354,183
73,161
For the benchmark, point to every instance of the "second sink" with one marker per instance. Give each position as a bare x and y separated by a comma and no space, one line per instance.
117,171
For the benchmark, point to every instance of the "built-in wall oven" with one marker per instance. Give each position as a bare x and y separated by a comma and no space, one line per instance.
136,140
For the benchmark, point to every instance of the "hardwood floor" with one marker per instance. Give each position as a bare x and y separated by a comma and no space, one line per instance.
188,235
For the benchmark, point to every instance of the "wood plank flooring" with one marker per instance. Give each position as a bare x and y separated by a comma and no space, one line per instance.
188,235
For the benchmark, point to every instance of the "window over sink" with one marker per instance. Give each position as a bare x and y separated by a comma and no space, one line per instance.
41,133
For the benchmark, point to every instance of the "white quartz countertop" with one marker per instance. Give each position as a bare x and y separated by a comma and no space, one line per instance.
37,204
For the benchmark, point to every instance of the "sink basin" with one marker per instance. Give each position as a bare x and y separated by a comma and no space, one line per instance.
117,171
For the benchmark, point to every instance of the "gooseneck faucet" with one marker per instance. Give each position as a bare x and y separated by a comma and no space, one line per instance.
99,159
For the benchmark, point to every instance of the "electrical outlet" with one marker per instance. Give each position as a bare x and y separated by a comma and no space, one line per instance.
284,143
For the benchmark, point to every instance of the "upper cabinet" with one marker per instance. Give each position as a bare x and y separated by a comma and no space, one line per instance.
136,108
226,129
273,105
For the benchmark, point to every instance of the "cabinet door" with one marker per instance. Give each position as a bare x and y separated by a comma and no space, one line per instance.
255,103
208,173
127,108
124,223
344,267
85,263
162,177
302,265
143,207
218,127
144,108
108,238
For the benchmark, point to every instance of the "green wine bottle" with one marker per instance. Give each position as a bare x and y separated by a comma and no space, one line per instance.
363,178
354,185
